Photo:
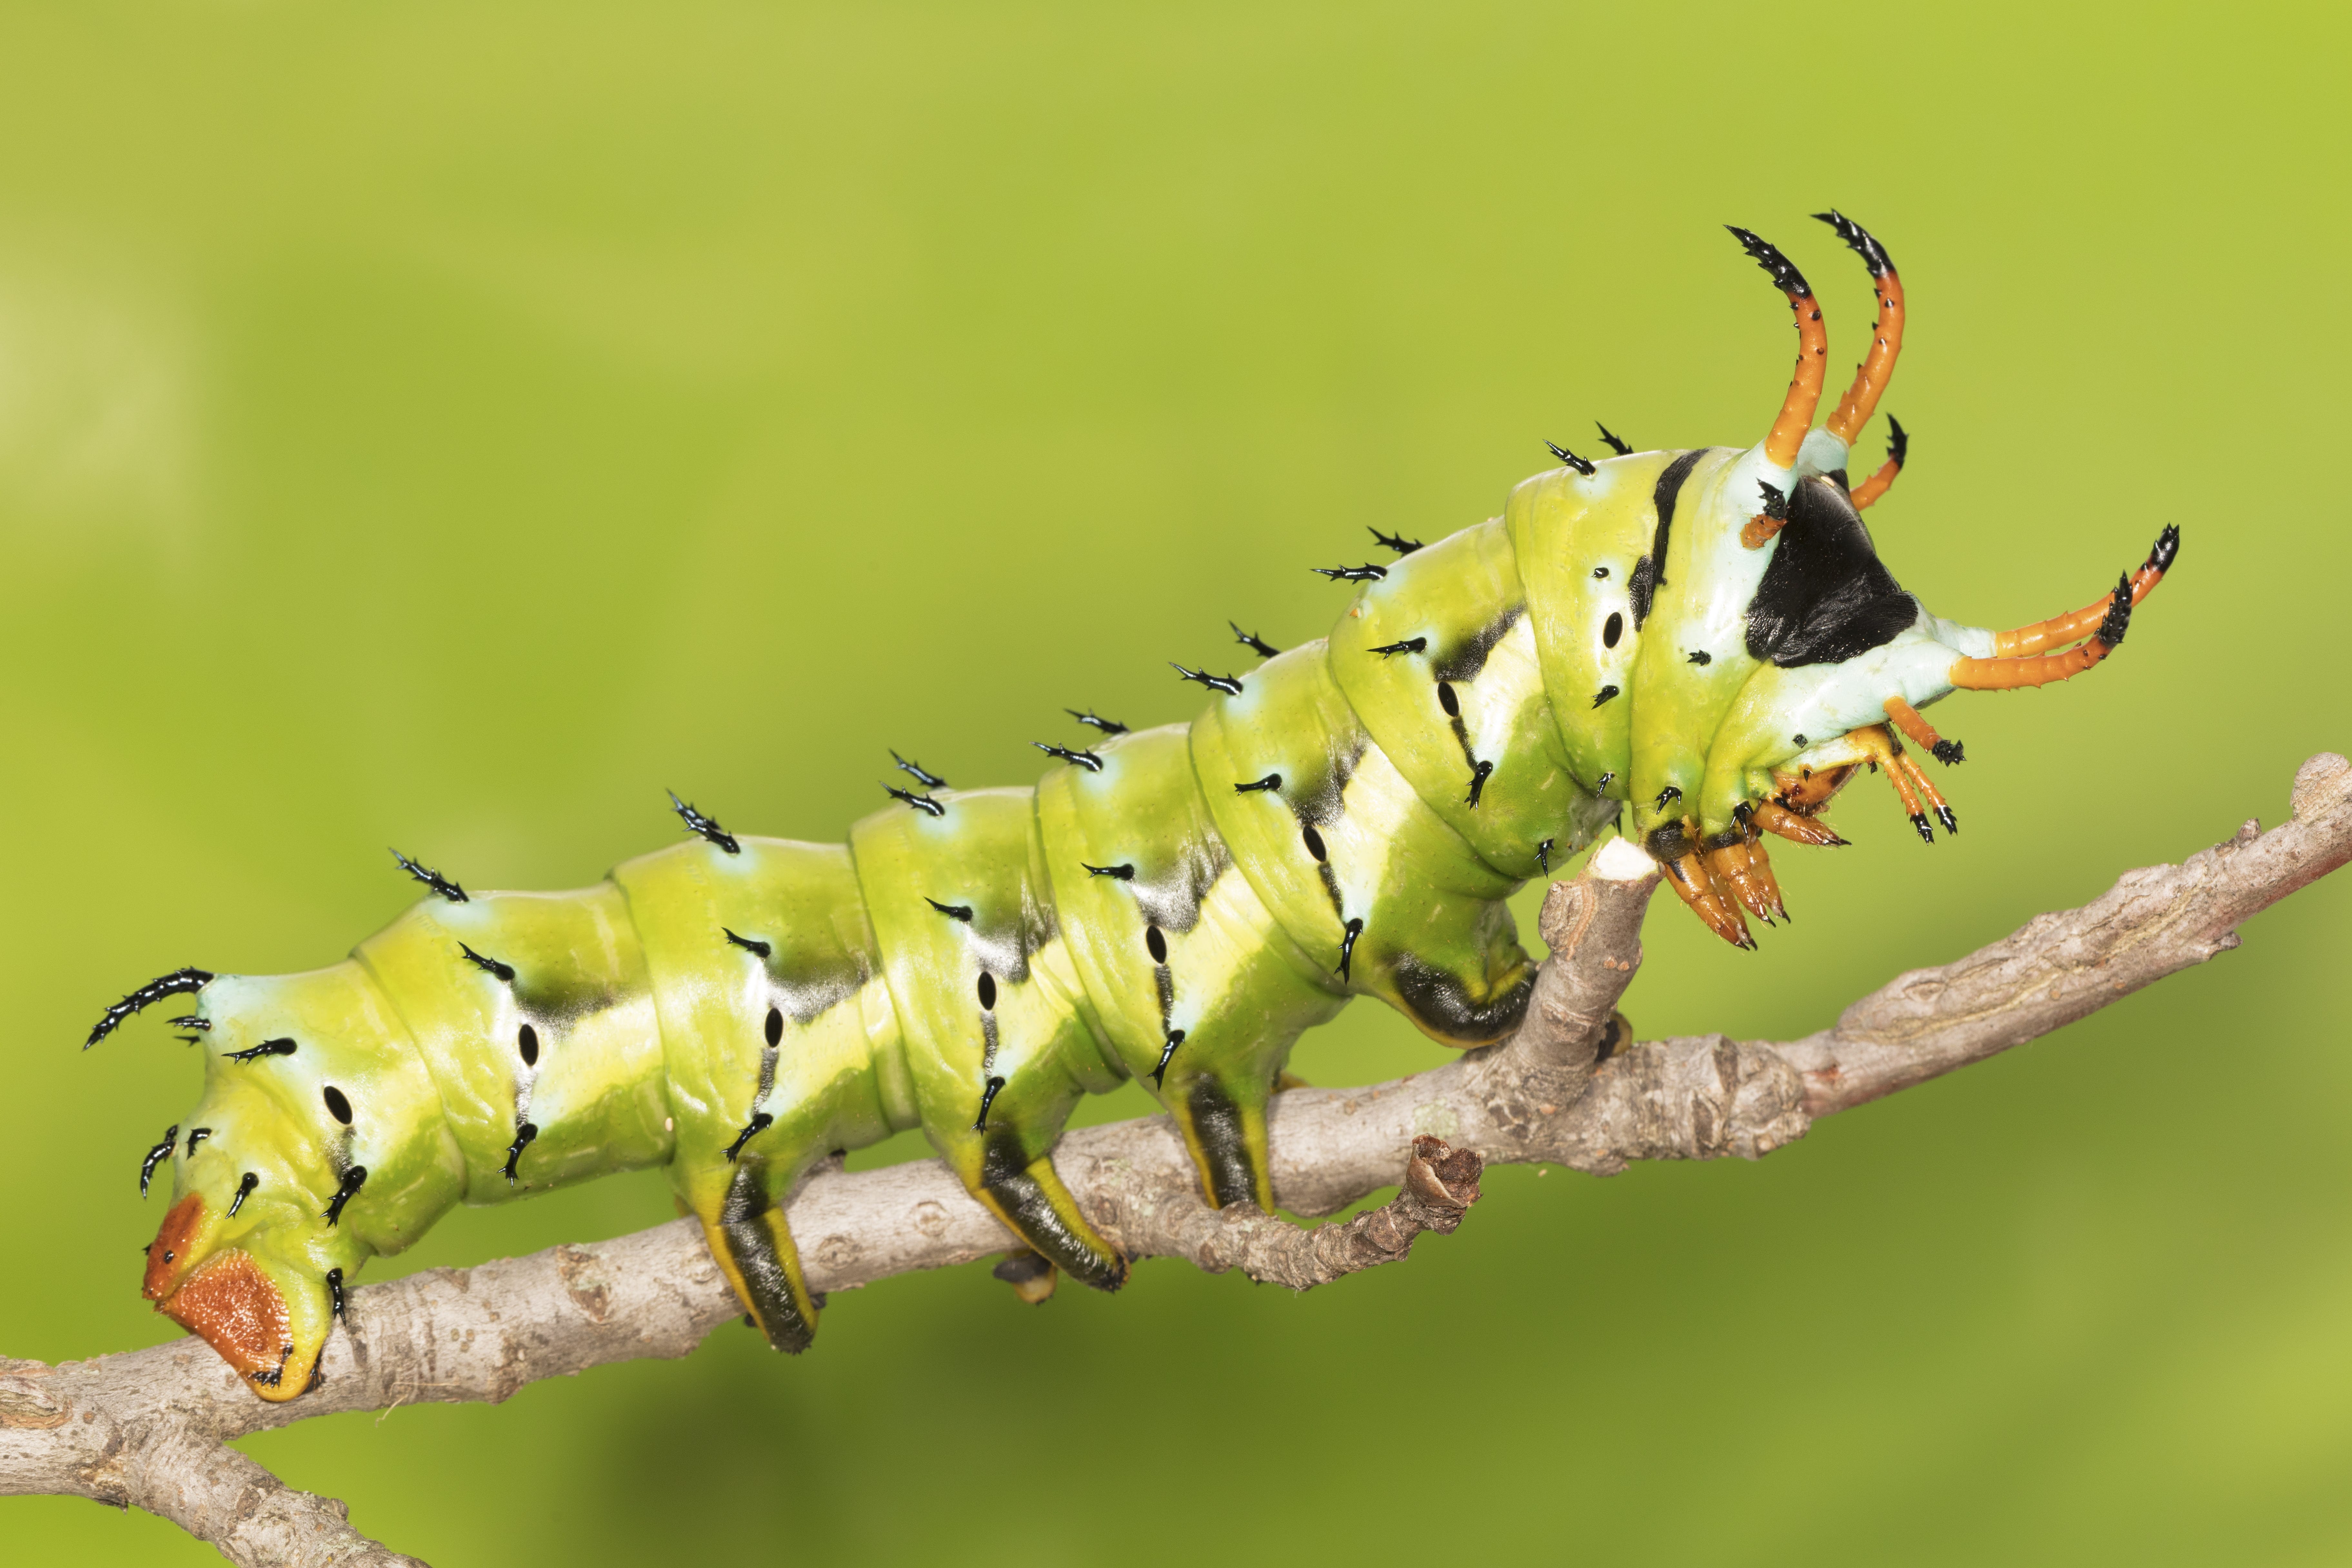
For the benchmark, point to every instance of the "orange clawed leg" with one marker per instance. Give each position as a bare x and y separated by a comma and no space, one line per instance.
1792,812
1879,745
1675,847
1737,862
1777,819
1803,793
1907,718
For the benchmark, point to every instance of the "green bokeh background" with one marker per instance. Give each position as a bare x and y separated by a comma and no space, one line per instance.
449,425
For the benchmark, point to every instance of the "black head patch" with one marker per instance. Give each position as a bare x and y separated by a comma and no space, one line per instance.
1825,597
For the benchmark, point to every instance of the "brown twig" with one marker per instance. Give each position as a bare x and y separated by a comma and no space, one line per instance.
146,1427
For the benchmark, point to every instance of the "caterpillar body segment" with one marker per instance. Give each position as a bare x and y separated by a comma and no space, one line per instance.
1699,646
1197,988
1000,1037
780,1043
570,1046
1361,872
1465,715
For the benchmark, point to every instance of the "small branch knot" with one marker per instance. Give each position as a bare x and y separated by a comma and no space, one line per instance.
2321,783
1445,1180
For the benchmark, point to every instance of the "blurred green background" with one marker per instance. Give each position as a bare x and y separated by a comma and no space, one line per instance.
447,426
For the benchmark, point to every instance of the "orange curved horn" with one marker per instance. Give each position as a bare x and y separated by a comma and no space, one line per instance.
1898,451
1877,366
2061,630
1812,349
2008,674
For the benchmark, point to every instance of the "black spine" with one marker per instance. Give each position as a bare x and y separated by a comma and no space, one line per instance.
1874,254
1251,641
1086,760
919,772
1582,465
1230,685
487,965
431,878
707,826
1779,267
179,982
921,802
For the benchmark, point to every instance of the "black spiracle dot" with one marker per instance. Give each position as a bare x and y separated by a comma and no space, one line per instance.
527,1042
1611,630
338,1106
1601,572
1314,842
775,1030
987,992
1447,700
1156,944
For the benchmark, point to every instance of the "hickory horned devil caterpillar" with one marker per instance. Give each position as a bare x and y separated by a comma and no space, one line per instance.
1706,637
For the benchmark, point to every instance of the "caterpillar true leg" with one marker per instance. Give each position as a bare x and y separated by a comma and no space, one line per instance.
1874,744
1907,718
1735,861
1774,817
1675,847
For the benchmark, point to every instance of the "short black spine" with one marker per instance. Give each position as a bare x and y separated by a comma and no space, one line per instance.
706,826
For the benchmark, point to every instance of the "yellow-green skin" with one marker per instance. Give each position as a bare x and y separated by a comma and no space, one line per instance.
659,1041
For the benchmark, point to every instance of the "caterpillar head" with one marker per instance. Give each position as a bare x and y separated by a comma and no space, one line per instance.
318,1144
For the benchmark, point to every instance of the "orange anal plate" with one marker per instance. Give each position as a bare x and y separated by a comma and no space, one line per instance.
232,1305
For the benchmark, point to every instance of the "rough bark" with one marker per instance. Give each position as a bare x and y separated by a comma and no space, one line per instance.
146,1427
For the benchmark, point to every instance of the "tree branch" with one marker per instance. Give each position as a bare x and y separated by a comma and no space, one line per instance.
145,1428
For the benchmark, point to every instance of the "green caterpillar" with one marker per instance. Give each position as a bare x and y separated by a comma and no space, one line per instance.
1706,638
